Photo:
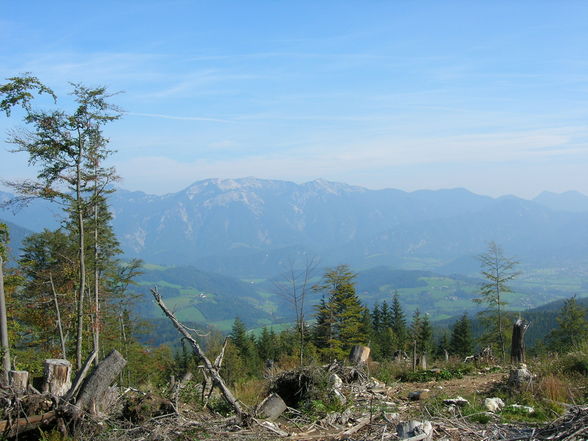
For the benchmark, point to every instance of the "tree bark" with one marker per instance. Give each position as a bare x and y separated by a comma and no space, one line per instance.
359,354
4,329
99,381
19,381
210,368
80,376
82,262
96,280
56,377
517,351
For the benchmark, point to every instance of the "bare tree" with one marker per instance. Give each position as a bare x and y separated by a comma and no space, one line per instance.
294,285
498,271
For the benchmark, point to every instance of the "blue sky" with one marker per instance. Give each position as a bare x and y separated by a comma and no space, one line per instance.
490,96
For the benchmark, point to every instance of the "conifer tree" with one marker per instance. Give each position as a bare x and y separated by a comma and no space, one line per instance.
399,323
442,347
425,335
267,345
572,326
461,342
340,315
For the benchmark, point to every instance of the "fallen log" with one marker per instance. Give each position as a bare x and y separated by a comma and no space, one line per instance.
80,377
243,416
13,428
95,387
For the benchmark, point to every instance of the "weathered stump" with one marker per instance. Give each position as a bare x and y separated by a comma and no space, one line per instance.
19,380
56,376
412,429
359,354
272,407
423,362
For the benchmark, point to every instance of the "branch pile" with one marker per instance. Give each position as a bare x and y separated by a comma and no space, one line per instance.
25,410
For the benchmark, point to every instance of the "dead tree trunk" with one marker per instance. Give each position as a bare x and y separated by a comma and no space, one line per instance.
517,351
98,382
210,368
4,330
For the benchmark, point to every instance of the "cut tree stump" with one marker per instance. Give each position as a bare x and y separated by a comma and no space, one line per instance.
19,380
359,354
415,430
56,377
423,362
94,389
272,407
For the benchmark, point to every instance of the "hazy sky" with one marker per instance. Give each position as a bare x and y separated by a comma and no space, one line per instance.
491,96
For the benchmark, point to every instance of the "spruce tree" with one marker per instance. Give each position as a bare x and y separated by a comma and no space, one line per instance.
442,346
572,326
399,323
425,335
461,342
340,315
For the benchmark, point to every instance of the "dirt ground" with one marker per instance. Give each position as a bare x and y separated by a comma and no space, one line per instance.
468,385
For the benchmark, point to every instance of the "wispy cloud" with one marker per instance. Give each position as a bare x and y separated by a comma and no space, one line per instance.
178,118
338,162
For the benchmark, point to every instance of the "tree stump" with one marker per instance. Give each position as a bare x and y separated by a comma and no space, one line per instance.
517,351
19,380
423,362
359,354
422,430
272,407
56,377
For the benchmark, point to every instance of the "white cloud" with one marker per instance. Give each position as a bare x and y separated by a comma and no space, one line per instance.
161,174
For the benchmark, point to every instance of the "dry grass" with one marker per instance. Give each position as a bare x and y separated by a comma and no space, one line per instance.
554,388
251,392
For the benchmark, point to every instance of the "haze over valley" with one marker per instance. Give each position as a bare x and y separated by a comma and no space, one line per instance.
217,247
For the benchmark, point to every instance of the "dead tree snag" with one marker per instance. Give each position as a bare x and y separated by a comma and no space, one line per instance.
209,367
517,352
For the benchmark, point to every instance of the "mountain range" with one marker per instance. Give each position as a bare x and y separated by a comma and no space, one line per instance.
251,227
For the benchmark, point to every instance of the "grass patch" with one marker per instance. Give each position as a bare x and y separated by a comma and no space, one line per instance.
436,374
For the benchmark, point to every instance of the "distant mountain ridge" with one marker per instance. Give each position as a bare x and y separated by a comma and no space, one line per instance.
249,226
